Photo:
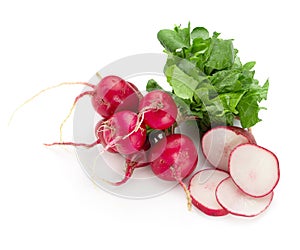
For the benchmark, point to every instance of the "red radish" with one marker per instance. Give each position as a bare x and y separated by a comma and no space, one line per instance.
117,134
174,159
111,94
114,94
236,202
254,169
158,109
99,128
203,191
120,133
140,158
218,143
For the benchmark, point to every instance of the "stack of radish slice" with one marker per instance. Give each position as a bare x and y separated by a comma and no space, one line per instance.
244,176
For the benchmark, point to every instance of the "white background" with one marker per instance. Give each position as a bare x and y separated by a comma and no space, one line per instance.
47,202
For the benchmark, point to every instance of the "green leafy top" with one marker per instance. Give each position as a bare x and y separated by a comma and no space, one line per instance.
207,74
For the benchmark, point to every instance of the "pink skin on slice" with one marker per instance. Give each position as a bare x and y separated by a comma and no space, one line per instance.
254,169
236,202
203,186
218,143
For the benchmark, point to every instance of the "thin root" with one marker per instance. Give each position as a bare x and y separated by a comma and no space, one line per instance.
187,192
72,144
128,174
113,143
71,110
93,169
103,127
138,125
44,90
188,195
140,119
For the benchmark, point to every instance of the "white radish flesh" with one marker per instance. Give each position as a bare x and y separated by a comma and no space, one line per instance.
218,143
202,188
236,202
254,169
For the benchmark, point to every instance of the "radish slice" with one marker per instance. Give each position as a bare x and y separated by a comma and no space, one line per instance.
218,143
254,169
203,188
236,202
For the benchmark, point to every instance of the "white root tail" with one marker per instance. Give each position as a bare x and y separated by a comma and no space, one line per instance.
44,90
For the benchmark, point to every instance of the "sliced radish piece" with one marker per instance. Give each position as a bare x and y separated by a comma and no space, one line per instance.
254,169
218,143
203,188
236,202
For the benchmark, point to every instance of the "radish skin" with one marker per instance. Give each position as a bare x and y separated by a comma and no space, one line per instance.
177,154
113,94
116,134
203,186
120,134
158,109
99,128
174,159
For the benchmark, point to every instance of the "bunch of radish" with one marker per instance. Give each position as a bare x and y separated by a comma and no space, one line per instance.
127,115
243,176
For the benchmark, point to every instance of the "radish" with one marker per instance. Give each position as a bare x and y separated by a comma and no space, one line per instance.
114,94
218,143
236,202
117,135
158,109
141,158
254,169
99,128
174,159
110,95
203,186
120,133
